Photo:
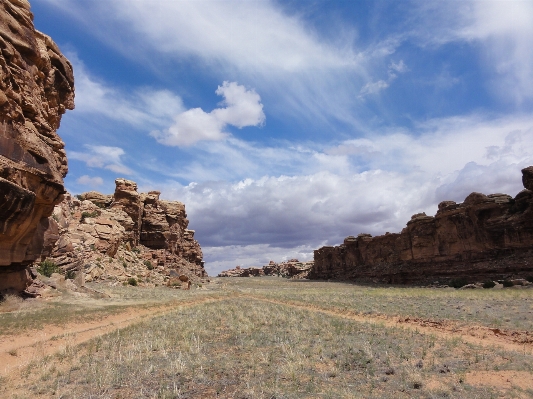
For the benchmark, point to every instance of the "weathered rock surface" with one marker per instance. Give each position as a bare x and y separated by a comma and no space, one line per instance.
36,87
291,269
123,236
487,236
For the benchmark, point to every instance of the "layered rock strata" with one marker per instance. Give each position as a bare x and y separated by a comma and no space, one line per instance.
36,87
486,236
292,269
124,236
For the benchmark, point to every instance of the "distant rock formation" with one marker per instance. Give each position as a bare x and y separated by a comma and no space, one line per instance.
123,236
36,87
290,269
487,236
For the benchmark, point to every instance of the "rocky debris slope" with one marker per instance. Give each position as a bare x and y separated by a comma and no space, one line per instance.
124,237
291,269
36,87
486,236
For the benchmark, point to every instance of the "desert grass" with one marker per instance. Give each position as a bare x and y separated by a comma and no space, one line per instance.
241,348
508,308
17,315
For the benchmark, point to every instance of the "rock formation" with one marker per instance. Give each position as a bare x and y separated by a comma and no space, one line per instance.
123,236
290,269
36,87
486,236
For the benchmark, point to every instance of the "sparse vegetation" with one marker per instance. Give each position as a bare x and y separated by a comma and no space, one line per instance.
148,265
132,281
508,283
265,338
458,283
489,284
89,215
47,268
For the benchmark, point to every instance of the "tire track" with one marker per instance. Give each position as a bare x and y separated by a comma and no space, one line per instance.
16,352
517,341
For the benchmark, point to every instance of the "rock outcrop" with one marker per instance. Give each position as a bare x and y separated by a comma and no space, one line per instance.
486,236
128,235
36,87
292,269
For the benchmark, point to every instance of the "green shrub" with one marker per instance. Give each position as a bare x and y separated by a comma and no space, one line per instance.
508,283
149,265
132,281
48,267
71,275
88,215
458,283
489,284
136,250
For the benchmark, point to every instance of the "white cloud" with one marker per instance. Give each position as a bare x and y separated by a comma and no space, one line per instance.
86,180
300,72
242,108
142,107
500,29
368,185
104,157
373,87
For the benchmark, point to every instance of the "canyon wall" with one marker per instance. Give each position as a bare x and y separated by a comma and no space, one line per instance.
122,236
486,236
36,87
292,269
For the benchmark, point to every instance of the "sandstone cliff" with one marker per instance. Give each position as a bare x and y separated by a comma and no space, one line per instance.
290,269
127,235
486,236
36,87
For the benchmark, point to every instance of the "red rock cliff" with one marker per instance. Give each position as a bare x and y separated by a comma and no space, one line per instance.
36,87
487,236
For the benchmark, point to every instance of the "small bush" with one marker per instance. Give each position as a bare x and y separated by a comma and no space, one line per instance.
136,250
148,265
79,196
48,267
458,283
71,275
124,264
88,215
530,279
132,281
489,284
508,283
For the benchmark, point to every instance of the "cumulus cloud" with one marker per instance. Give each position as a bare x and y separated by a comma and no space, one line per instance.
370,185
100,156
86,180
242,108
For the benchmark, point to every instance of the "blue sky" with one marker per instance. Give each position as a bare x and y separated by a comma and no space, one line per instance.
285,126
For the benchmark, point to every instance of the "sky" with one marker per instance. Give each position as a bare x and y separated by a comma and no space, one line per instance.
288,125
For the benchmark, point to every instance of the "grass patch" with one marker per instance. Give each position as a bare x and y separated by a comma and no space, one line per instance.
240,348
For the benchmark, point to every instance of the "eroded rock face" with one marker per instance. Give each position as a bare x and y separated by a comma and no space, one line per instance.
487,236
123,236
36,87
292,269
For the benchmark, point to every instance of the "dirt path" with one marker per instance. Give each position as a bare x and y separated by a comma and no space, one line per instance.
518,341
18,351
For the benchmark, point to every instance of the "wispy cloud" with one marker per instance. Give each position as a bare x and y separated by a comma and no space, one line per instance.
142,107
100,156
86,180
